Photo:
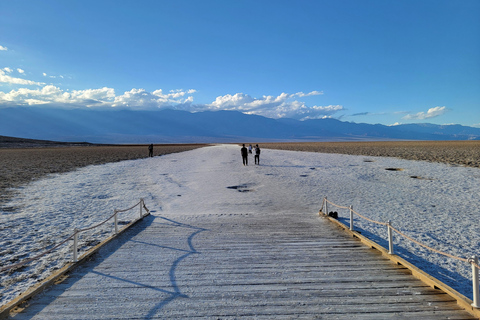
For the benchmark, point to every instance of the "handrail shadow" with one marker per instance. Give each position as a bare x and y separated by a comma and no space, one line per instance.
105,252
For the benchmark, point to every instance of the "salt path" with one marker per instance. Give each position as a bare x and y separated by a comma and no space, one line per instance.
226,241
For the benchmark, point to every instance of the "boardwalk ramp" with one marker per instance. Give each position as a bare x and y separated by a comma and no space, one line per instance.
251,266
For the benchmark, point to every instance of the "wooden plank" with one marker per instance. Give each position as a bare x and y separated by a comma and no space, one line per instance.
224,267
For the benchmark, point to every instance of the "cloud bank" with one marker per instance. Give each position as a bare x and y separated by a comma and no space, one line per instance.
431,113
51,95
285,105
282,106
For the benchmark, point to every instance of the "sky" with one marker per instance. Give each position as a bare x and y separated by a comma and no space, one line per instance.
369,61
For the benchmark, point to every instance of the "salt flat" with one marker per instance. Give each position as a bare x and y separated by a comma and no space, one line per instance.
229,244
209,187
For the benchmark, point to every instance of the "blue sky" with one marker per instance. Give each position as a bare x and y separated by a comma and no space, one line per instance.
371,61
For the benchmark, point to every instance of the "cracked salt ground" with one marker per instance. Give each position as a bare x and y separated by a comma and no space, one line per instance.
441,211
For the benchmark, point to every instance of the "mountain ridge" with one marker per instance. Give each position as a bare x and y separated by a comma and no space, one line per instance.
177,126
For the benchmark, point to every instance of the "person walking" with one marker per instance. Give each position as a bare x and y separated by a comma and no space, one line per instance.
244,152
257,154
150,150
250,149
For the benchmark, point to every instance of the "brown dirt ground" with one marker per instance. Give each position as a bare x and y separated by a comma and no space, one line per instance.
466,153
19,166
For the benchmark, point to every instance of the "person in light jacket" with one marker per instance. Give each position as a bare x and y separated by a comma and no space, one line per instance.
257,154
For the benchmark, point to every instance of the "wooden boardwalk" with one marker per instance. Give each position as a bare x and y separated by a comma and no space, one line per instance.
240,266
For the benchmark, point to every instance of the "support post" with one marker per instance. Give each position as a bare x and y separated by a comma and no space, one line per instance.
351,218
326,206
75,245
115,219
476,298
390,238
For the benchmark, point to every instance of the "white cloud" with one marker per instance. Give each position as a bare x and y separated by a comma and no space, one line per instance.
52,95
7,70
2,48
20,70
52,77
103,97
431,113
8,79
313,93
231,102
142,99
281,106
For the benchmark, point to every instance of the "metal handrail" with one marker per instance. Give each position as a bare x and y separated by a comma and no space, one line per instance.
473,261
142,206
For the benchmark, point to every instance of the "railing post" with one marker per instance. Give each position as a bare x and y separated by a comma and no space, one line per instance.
476,298
390,238
141,206
351,218
75,245
115,219
326,206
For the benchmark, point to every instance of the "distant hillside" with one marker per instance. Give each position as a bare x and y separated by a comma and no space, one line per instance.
173,126
12,142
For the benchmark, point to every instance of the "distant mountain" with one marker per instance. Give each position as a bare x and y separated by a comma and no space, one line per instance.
173,126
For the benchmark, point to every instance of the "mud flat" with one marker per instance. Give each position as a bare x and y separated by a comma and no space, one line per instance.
464,153
22,165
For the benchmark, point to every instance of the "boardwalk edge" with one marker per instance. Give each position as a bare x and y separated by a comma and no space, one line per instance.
21,302
431,281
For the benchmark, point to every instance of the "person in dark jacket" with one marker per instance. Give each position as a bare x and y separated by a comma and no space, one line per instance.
150,150
244,152
257,154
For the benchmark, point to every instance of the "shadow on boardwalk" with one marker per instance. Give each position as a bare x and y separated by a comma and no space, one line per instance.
95,265
176,293
251,266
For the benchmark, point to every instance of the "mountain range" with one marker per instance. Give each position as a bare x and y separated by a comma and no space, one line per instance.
175,126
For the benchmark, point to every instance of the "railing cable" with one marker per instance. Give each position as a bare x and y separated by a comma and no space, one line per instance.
473,261
26,261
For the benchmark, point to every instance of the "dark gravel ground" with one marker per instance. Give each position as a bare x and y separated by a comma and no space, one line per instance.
465,153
